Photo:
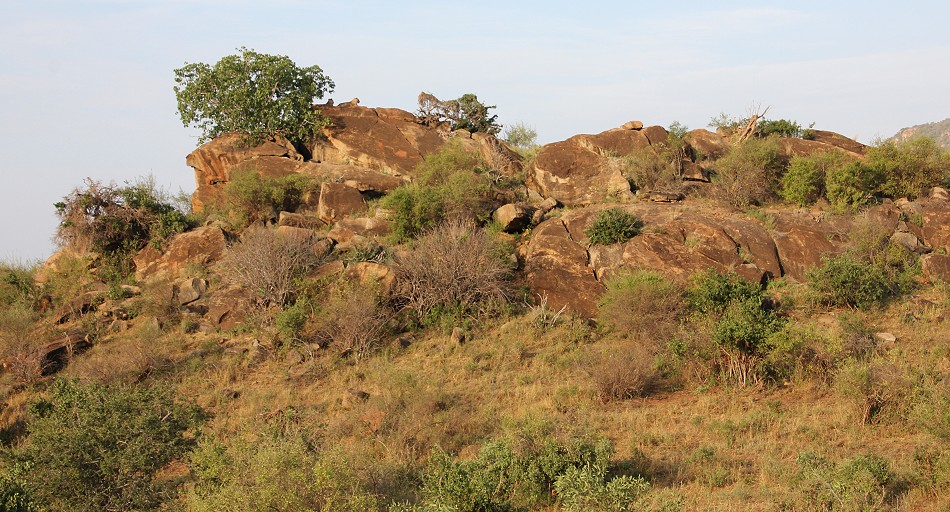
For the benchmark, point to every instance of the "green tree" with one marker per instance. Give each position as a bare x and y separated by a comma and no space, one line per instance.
93,448
256,94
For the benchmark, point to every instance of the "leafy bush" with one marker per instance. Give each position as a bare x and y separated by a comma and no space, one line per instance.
117,221
612,226
908,169
878,389
464,113
521,136
456,268
749,172
251,197
781,127
449,187
641,304
98,449
848,281
256,94
804,181
624,372
742,322
14,496
854,484
853,186
269,263
507,476
282,473
586,489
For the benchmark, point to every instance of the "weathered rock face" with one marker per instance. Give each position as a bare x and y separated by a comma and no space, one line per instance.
838,140
498,155
791,146
513,217
710,145
387,140
676,241
582,170
337,201
202,246
215,160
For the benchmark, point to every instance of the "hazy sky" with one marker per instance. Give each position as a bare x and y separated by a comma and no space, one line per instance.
86,86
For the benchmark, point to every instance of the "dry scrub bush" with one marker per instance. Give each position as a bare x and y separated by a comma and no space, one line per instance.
456,267
353,319
20,342
641,304
624,372
748,173
269,263
879,389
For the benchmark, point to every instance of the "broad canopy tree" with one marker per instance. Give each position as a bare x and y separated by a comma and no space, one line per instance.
256,94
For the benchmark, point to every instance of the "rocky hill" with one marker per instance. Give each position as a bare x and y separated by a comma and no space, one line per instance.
938,131
402,317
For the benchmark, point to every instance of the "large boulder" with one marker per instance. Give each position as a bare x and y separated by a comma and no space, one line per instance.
214,162
803,240
202,247
498,155
583,170
838,140
337,201
386,140
362,179
556,268
709,145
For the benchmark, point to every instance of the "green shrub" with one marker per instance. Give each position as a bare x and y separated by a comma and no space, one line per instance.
853,186
507,476
282,473
641,303
98,449
463,113
848,281
932,466
14,496
804,181
450,186
612,226
251,197
586,489
748,174
521,136
908,169
781,127
878,389
860,483
712,292
117,221
256,94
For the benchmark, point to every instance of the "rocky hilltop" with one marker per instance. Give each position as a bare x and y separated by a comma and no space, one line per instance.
939,131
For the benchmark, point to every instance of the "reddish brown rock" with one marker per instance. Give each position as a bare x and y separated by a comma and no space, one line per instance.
360,178
709,145
575,172
556,268
613,142
513,218
337,201
214,161
299,220
936,267
498,155
632,125
656,134
346,229
226,308
838,140
376,274
802,241
202,246
791,146
936,229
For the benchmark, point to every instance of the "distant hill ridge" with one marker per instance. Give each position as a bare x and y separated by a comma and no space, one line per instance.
939,131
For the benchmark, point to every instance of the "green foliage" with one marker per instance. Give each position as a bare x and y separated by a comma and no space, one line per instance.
804,181
745,326
14,496
726,122
749,172
98,449
521,136
612,226
910,168
251,197
853,186
252,93
712,292
450,186
781,127
464,113
848,281
282,473
641,303
117,221
586,489
507,476
854,484
290,322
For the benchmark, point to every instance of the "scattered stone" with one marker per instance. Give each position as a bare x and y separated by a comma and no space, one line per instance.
885,338
189,290
939,194
936,267
909,241
458,336
299,220
664,197
293,357
199,247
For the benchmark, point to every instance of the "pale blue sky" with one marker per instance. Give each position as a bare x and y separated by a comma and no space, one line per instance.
86,86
